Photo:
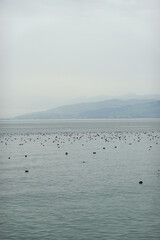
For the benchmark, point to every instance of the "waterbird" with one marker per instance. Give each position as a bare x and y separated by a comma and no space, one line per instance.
140,182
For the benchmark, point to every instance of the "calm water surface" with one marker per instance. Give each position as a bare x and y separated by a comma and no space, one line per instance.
80,195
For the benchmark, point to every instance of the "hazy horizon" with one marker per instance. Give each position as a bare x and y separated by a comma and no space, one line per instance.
56,52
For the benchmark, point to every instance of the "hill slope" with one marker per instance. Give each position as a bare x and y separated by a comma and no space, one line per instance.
106,109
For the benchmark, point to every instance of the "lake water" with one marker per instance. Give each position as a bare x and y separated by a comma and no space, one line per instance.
83,179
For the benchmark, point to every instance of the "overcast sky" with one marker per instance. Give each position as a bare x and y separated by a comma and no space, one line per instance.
54,51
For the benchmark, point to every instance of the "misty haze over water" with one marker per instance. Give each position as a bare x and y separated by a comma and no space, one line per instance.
67,51
90,169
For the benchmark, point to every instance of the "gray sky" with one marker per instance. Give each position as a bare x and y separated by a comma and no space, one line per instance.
55,51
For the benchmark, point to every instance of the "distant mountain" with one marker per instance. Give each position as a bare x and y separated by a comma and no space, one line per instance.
115,108
127,96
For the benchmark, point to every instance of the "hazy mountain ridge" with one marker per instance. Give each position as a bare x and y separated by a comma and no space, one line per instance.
115,108
141,110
